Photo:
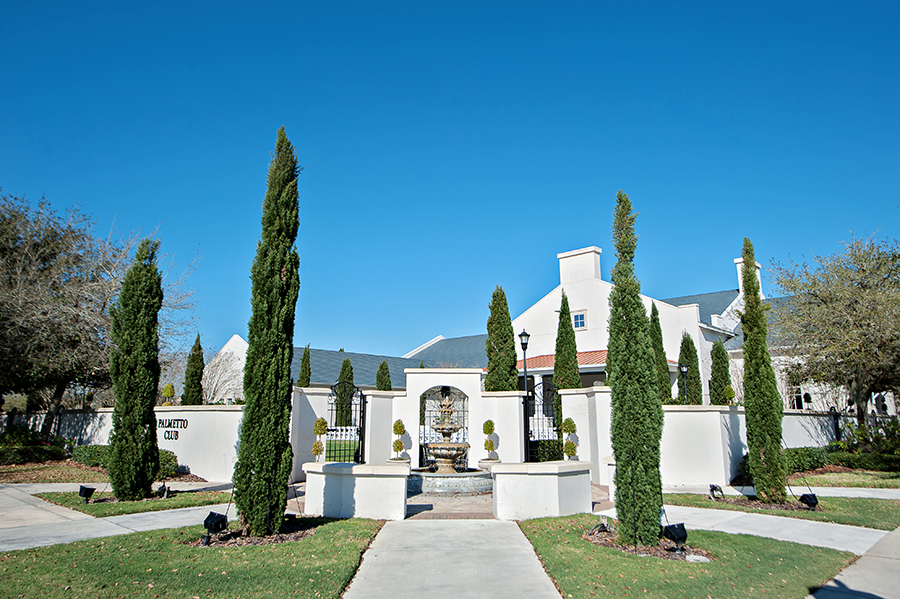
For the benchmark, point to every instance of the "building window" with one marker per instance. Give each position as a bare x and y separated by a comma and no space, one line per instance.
578,321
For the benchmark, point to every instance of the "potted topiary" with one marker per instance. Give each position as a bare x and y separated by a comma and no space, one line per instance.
397,445
320,427
570,448
489,446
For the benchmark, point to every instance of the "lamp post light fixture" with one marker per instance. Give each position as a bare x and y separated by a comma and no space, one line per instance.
523,337
683,368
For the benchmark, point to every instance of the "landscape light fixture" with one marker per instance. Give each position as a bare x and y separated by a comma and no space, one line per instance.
214,523
677,534
809,500
163,491
523,336
85,493
716,490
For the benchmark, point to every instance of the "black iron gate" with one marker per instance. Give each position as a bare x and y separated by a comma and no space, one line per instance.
543,442
345,441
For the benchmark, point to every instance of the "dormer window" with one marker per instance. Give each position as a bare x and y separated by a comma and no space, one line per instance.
578,321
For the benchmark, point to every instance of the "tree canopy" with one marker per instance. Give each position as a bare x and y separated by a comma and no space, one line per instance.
134,367
841,318
265,457
502,374
763,407
720,377
383,377
637,416
192,392
692,382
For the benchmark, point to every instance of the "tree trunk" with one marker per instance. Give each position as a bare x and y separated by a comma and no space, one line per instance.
53,409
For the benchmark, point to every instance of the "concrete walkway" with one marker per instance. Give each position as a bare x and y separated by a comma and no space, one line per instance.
27,521
424,559
478,558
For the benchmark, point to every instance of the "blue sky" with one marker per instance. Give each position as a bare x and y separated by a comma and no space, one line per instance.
451,147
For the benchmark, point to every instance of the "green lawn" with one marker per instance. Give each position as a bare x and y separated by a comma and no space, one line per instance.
745,566
883,514
117,508
857,478
159,564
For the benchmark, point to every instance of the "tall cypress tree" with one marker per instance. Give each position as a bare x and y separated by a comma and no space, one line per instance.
383,377
502,374
344,400
663,382
762,404
688,356
192,393
264,455
134,368
720,377
565,362
305,372
637,416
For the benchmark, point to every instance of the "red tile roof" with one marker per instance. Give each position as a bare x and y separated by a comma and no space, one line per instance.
585,358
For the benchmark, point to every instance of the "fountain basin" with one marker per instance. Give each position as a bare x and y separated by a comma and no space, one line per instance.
472,482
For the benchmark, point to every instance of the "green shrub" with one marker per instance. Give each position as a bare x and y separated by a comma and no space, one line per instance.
488,427
19,436
30,453
568,426
796,459
569,449
92,455
489,445
549,450
867,461
168,464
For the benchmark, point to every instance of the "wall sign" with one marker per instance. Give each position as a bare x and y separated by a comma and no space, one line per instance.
171,426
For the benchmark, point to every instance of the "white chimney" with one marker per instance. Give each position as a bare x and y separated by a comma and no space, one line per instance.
579,265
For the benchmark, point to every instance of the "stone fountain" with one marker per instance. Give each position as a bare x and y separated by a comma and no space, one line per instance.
446,453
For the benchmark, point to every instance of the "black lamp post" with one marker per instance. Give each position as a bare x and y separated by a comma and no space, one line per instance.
683,368
523,336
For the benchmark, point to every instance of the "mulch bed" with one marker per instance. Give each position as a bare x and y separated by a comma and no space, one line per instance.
664,550
755,503
291,530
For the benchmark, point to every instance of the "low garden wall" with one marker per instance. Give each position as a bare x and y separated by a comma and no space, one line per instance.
541,490
340,490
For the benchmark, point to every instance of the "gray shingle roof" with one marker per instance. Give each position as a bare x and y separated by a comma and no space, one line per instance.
325,365
715,302
458,352
775,303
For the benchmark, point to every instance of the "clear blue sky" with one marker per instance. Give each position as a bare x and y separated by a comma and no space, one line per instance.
452,146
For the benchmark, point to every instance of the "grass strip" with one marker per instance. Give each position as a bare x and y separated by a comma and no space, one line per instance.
745,566
858,478
160,564
53,472
881,514
103,509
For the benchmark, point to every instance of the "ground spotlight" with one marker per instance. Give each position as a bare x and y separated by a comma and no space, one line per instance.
716,490
677,534
214,523
809,500
85,492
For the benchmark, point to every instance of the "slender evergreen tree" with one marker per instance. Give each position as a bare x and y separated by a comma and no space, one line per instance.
265,457
383,377
565,362
305,372
134,368
659,351
637,416
720,378
502,374
688,356
344,400
762,404
192,392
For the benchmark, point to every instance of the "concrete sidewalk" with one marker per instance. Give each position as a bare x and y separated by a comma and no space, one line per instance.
875,574
415,559
28,522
